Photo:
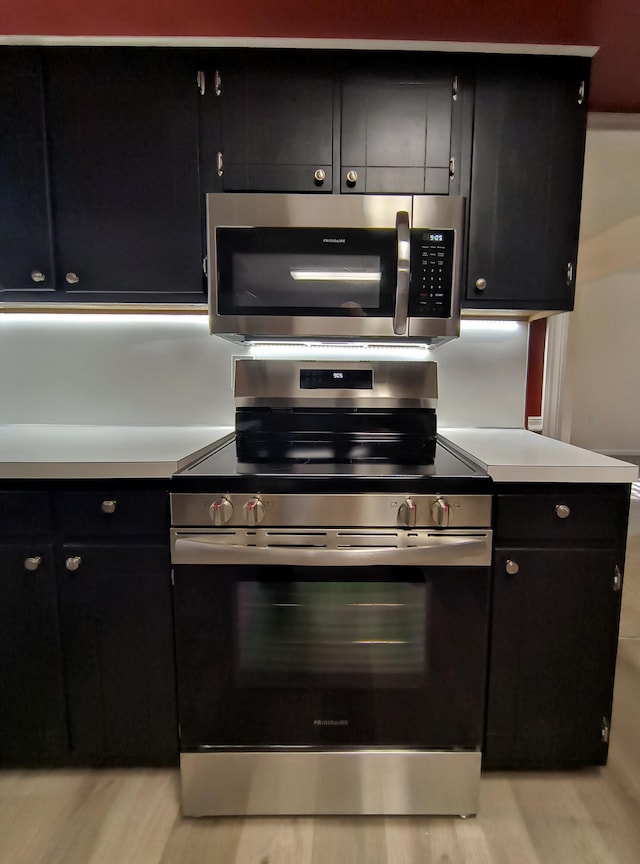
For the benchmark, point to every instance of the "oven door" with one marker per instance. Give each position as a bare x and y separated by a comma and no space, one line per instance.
332,656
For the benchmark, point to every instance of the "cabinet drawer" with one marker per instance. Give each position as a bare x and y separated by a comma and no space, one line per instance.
24,514
113,512
560,516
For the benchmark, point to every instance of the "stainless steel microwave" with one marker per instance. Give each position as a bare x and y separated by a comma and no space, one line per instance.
335,267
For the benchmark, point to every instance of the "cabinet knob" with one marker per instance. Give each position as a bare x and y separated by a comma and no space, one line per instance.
511,567
73,563
320,175
37,276
481,283
352,178
72,278
109,506
32,563
562,511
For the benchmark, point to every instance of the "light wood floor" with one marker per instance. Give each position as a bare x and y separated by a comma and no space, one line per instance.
132,817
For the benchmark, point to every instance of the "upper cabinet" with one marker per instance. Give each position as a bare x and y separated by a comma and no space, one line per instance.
526,182
396,125
121,201
26,254
106,155
276,123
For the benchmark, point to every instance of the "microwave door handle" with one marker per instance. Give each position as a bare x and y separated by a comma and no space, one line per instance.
403,274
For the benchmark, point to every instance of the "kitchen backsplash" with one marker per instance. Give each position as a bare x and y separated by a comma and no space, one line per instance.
168,370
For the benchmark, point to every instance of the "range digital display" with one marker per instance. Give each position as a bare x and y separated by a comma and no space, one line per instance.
336,379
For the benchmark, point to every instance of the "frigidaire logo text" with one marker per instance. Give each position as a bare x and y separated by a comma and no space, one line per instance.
334,239
330,722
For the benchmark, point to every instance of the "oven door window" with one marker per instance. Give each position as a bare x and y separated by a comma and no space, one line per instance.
331,634
306,271
331,656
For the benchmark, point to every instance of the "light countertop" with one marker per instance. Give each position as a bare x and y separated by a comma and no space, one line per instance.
41,451
37,452
520,456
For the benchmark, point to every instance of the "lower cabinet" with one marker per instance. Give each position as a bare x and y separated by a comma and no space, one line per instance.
87,657
117,631
33,718
555,617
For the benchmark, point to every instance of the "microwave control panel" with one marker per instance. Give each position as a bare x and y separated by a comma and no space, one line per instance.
431,273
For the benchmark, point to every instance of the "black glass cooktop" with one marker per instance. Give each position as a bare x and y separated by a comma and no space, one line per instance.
222,471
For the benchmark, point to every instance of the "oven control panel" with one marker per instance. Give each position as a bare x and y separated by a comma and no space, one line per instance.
431,273
308,511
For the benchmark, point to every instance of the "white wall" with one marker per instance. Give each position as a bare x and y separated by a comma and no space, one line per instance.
167,370
601,393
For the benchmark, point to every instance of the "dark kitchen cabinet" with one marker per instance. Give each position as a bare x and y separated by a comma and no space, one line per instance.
123,140
526,182
114,579
33,720
275,130
87,658
116,620
396,124
26,254
104,201
556,605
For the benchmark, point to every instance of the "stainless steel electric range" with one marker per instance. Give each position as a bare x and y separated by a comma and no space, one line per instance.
331,571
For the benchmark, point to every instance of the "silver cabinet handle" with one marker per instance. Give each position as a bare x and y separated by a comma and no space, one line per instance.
200,549
72,278
403,276
481,283
109,506
320,175
512,568
37,276
562,511
32,563
352,178
73,563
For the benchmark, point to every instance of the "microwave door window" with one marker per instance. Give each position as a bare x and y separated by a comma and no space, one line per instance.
283,282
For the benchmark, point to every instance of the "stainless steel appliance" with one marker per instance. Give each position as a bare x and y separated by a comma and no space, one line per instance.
331,587
372,267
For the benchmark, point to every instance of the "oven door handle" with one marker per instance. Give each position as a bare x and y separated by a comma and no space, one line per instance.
441,551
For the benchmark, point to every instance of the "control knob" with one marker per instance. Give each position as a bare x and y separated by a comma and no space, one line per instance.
221,511
407,512
440,512
254,511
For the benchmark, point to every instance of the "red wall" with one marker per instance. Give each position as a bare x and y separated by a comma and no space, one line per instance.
559,21
612,24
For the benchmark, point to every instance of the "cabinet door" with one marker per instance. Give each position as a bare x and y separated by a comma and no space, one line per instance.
396,126
277,123
123,127
117,629
26,263
33,722
553,649
526,182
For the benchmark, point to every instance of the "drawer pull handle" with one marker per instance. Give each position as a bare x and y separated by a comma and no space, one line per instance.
109,506
32,563
73,564
562,511
512,567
